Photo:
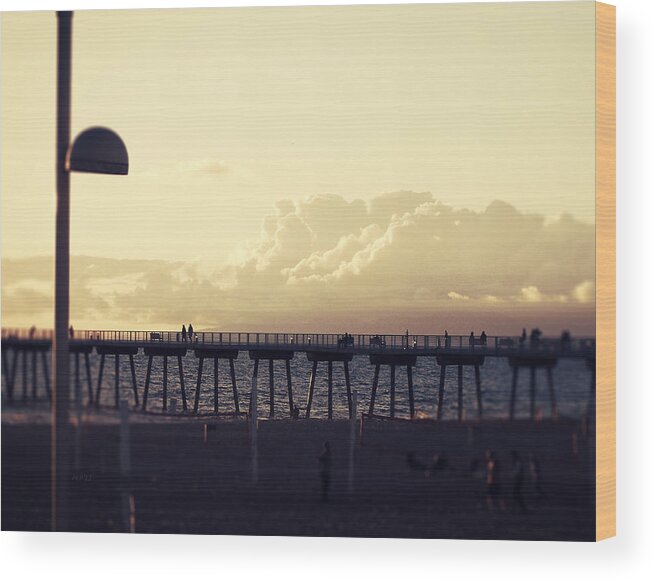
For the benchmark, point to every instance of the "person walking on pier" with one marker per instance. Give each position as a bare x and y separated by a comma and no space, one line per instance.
472,341
325,471
183,333
190,333
446,337
566,341
535,337
71,332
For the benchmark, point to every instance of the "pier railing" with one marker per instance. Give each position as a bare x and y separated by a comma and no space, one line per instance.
362,343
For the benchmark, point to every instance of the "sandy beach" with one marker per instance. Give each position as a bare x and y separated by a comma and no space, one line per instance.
180,484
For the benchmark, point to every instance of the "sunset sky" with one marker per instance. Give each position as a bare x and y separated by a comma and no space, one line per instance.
369,168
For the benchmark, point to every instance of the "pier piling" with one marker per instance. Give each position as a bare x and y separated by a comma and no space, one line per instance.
272,355
134,386
317,357
533,362
310,392
410,389
461,361
215,355
147,384
102,367
392,360
164,351
116,351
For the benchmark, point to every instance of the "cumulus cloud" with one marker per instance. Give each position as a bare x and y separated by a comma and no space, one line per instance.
326,259
457,297
585,292
532,294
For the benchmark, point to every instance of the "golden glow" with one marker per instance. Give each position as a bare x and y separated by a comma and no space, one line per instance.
262,142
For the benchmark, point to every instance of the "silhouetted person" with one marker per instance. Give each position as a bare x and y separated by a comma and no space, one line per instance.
183,333
492,480
71,332
32,331
446,338
535,474
439,462
471,340
517,481
566,341
523,339
535,336
415,464
325,471
483,338
190,332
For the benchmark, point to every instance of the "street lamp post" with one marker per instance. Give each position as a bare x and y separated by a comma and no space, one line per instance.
96,150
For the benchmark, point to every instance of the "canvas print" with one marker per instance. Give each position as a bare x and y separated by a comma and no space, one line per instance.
317,271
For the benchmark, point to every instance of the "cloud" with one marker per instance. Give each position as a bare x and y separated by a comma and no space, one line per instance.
585,292
329,261
457,297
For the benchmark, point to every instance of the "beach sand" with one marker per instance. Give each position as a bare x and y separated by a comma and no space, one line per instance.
180,484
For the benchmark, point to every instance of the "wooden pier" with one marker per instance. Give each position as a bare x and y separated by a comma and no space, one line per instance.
21,346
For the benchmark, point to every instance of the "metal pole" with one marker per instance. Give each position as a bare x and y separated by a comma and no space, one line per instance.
60,441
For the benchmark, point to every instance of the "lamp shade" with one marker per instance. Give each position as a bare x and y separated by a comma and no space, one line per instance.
98,150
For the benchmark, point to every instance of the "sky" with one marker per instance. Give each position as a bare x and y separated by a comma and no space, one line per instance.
374,168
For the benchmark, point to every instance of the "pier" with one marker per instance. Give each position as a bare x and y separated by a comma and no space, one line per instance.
323,350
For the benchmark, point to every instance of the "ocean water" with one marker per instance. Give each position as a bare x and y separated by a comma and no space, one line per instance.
571,378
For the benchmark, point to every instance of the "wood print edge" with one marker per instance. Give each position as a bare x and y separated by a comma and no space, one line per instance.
605,271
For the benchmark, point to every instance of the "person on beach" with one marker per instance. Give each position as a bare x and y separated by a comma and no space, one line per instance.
325,471
517,481
535,474
183,333
190,333
492,481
